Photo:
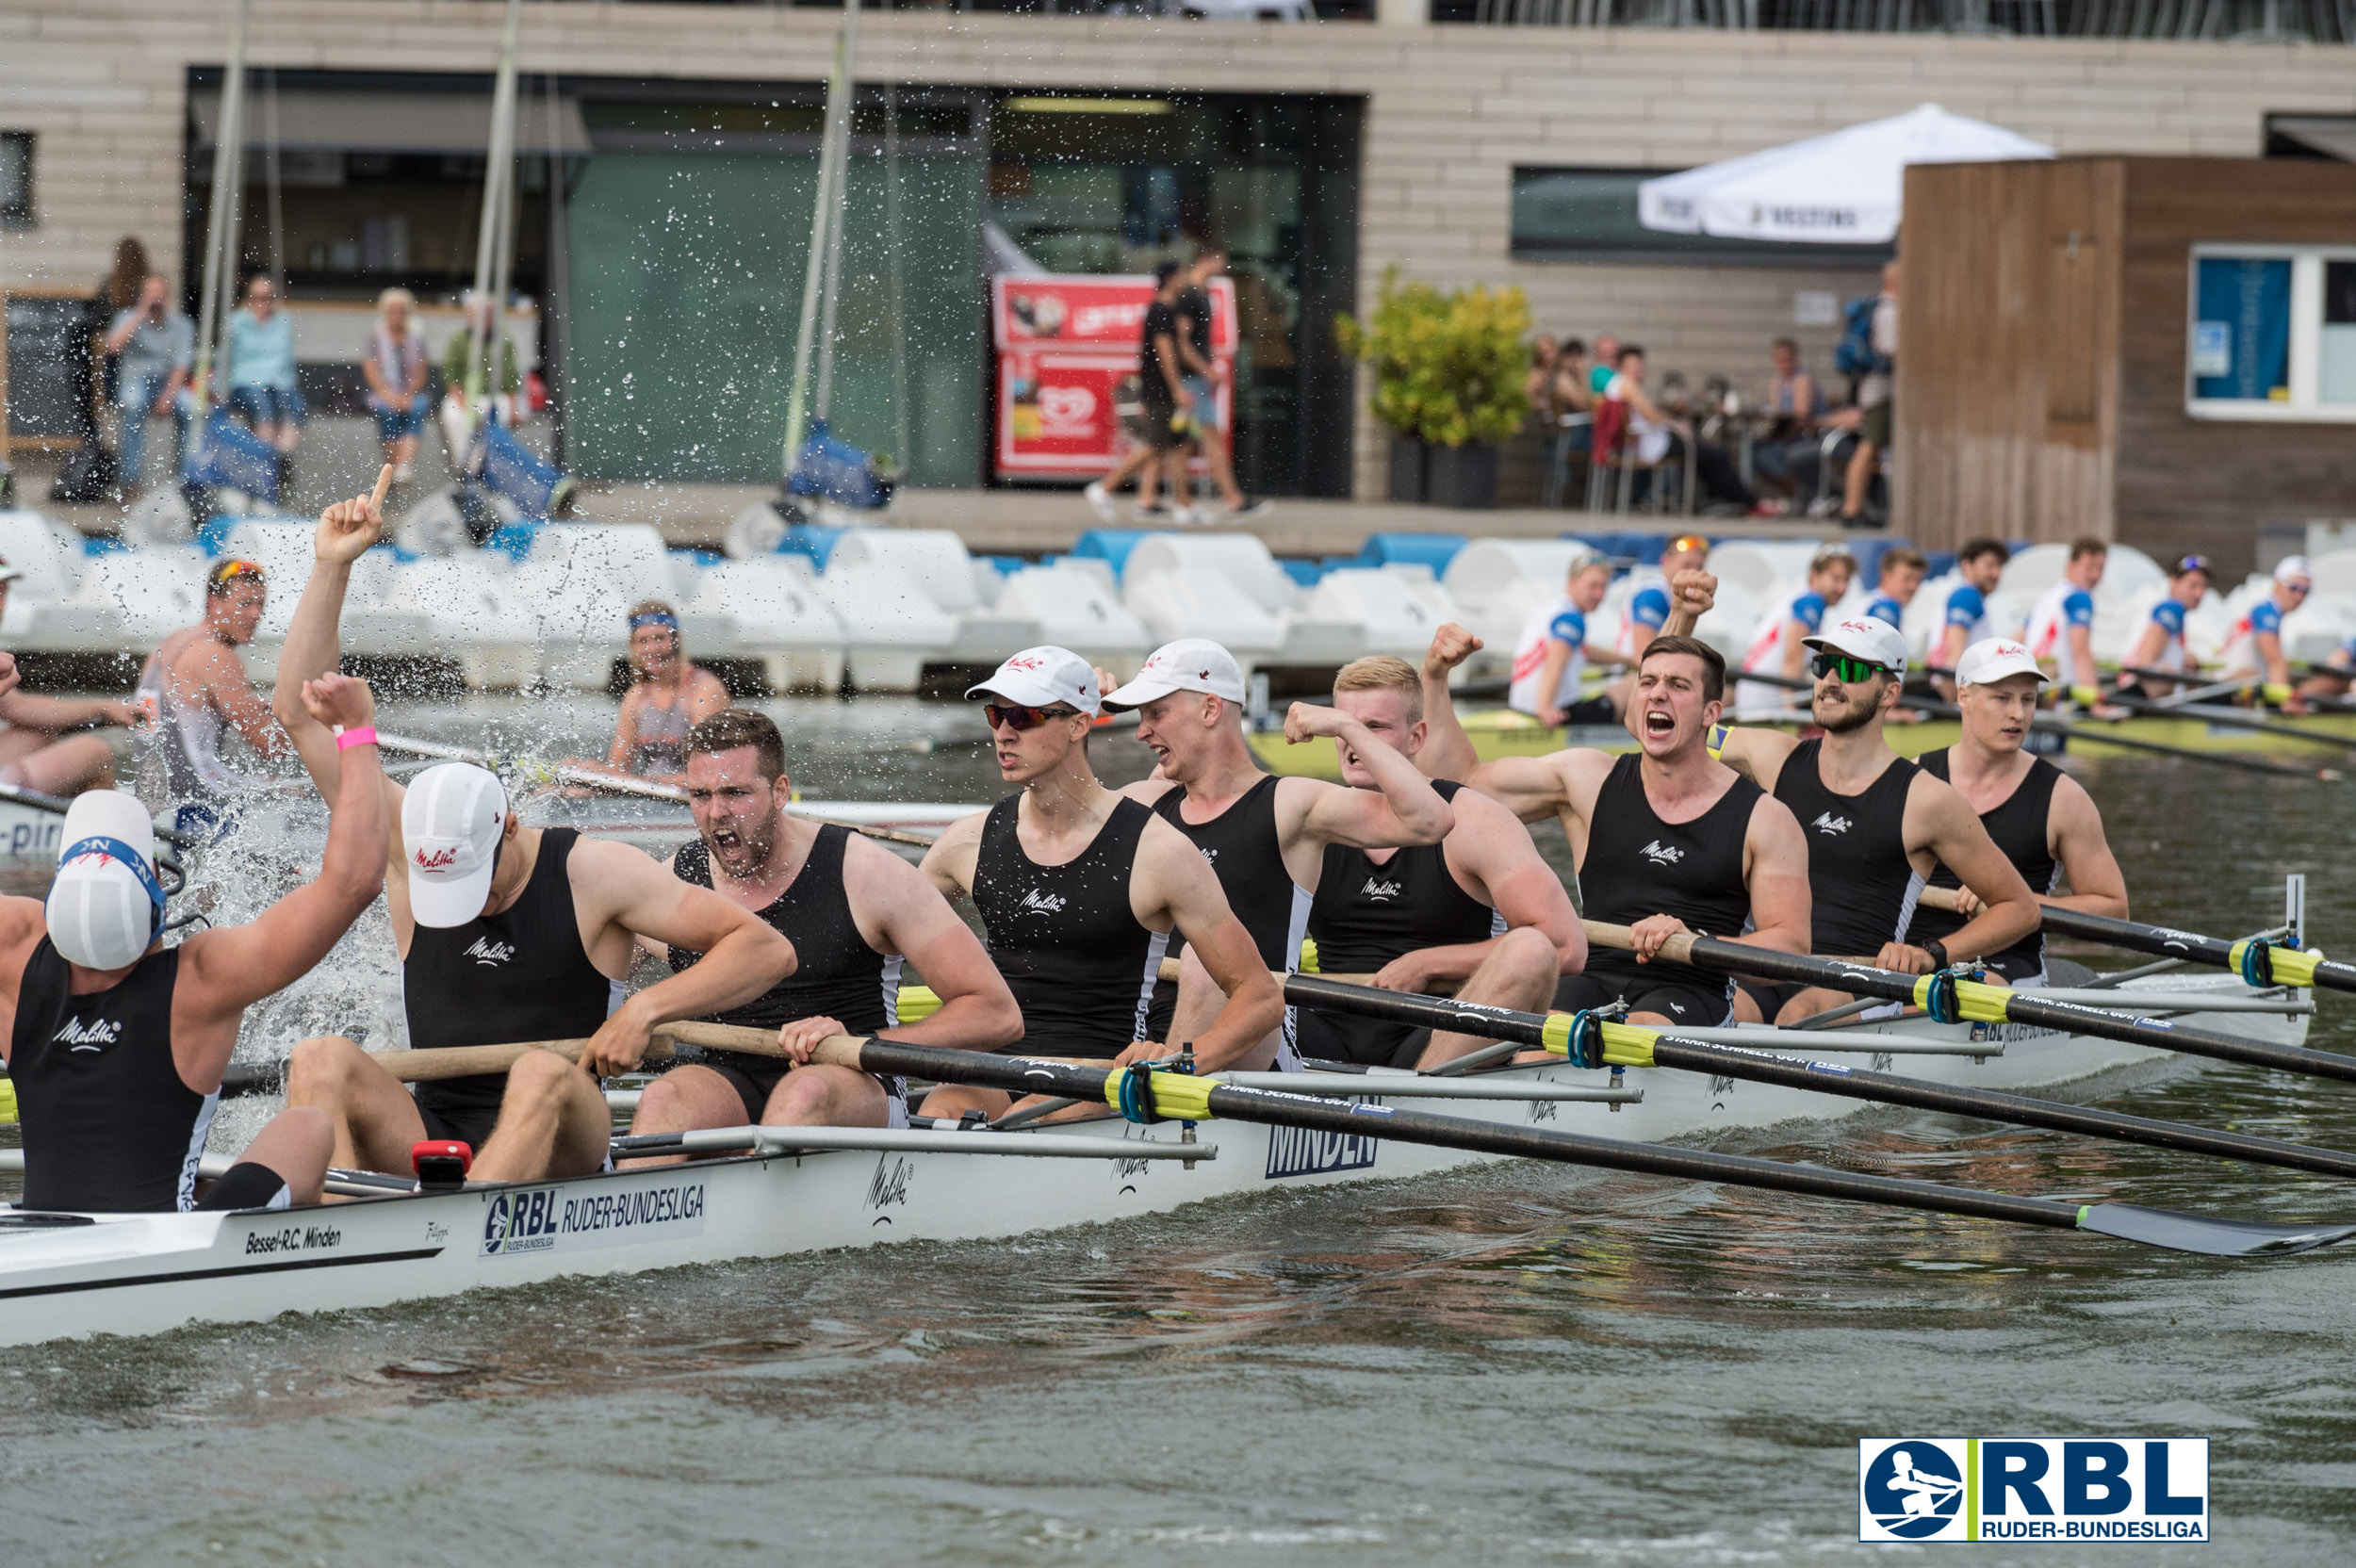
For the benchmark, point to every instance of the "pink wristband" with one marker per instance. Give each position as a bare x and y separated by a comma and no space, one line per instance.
347,738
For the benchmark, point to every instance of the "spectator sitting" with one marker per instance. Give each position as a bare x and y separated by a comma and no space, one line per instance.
156,347
1574,380
1606,363
395,369
1793,405
1538,388
261,376
1875,399
1658,439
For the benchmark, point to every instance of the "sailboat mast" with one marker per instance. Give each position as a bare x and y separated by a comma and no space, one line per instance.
498,173
221,222
820,224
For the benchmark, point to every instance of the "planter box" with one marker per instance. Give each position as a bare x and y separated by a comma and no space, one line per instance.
1410,461
1461,477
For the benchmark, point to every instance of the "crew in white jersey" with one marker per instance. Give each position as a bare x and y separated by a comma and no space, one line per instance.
1553,651
2061,627
1775,645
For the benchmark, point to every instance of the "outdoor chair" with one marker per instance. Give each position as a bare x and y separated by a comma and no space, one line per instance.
1571,441
1614,454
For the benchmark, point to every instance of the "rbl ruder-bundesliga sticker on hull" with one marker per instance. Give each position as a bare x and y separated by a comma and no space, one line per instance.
2061,1488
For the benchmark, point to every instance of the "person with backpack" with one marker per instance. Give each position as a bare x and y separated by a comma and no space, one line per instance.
1869,352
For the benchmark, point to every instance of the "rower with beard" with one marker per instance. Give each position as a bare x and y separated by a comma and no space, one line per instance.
2042,819
1668,839
504,933
1479,909
116,1044
1080,890
1875,827
1264,837
851,908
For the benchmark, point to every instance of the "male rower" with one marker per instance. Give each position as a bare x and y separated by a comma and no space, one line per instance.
1080,889
1479,909
2161,643
1899,579
1553,652
1667,838
35,751
1264,837
195,689
2061,628
1965,619
2039,817
2254,646
1649,606
851,908
504,933
1775,647
116,1044
1875,826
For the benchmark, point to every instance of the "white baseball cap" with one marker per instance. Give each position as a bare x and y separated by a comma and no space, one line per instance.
1864,637
451,821
1189,664
2293,568
106,906
1041,678
1995,659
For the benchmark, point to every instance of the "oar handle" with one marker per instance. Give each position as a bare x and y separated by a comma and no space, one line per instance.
467,1061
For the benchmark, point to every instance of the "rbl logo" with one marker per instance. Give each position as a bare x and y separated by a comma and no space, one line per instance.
2033,1488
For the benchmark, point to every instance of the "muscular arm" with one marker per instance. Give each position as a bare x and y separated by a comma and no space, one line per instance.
1775,864
2096,883
1941,822
949,864
1757,754
23,923
1494,852
1448,751
346,531
222,681
977,1011
1179,883
1402,808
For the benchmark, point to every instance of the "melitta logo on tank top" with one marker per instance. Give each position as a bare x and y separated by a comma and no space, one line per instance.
482,949
88,1036
1036,902
1827,824
1381,892
1661,854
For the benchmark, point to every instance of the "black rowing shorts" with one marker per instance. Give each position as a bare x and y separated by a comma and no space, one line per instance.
755,1078
246,1186
1699,1007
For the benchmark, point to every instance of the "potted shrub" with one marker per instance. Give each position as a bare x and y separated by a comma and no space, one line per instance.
1448,382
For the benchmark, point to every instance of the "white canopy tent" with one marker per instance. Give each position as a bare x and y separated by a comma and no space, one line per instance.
1842,189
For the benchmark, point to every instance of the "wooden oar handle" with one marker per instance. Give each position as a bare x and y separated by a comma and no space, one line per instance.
467,1061
1938,898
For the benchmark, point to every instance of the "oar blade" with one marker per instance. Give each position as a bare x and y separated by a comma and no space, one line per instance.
2216,1239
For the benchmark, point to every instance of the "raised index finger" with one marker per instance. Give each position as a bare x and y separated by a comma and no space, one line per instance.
383,483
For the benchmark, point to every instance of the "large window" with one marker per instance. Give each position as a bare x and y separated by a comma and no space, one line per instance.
1590,215
16,177
2272,334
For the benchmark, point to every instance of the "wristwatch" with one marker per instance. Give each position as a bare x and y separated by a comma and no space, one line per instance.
1936,949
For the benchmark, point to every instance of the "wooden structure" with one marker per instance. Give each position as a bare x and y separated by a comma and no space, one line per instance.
2044,316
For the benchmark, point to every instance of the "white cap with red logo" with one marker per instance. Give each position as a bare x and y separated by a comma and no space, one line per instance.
1043,677
1864,637
1189,664
1985,663
451,821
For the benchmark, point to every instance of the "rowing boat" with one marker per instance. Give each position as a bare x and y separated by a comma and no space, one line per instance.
1500,732
80,1275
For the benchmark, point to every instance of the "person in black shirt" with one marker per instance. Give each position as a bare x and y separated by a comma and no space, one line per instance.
1193,311
1162,392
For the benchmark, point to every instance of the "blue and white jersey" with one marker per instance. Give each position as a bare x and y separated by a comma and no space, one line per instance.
2061,607
1885,609
2168,616
1647,607
1559,622
1967,609
1805,609
2241,644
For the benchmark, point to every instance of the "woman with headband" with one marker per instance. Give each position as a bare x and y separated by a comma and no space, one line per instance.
195,689
667,696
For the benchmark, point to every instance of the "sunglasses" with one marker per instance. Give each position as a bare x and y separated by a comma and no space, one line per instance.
1021,720
1848,671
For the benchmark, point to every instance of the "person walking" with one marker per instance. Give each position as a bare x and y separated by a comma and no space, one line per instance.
1201,377
396,369
155,347
261,378
1160,391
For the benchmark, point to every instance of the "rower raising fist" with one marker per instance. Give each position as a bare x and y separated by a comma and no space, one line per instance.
340,702
1450,646
349,528
1694,592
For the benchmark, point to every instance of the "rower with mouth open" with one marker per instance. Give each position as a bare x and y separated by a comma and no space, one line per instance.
116,1044
505,933
1080,889
1264,837
851,908
1479,907
2042,819
1877,826
1668,839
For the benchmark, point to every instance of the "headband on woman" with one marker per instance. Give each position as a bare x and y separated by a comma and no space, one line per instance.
654,617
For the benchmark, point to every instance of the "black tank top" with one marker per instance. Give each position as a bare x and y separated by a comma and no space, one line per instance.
1365,915
108,1126
2018,825
1860,883
836,975
1242,846
1637,866
1079,964
520,975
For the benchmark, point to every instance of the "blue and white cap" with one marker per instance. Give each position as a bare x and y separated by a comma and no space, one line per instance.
106,906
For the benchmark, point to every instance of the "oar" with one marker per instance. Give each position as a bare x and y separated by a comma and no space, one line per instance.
2256,960
1164,1096
2225,718
644,789
1634,1045
1951,999
2050,725
467,1061
60,806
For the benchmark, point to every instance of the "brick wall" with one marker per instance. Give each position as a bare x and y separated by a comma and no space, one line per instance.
1450,111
